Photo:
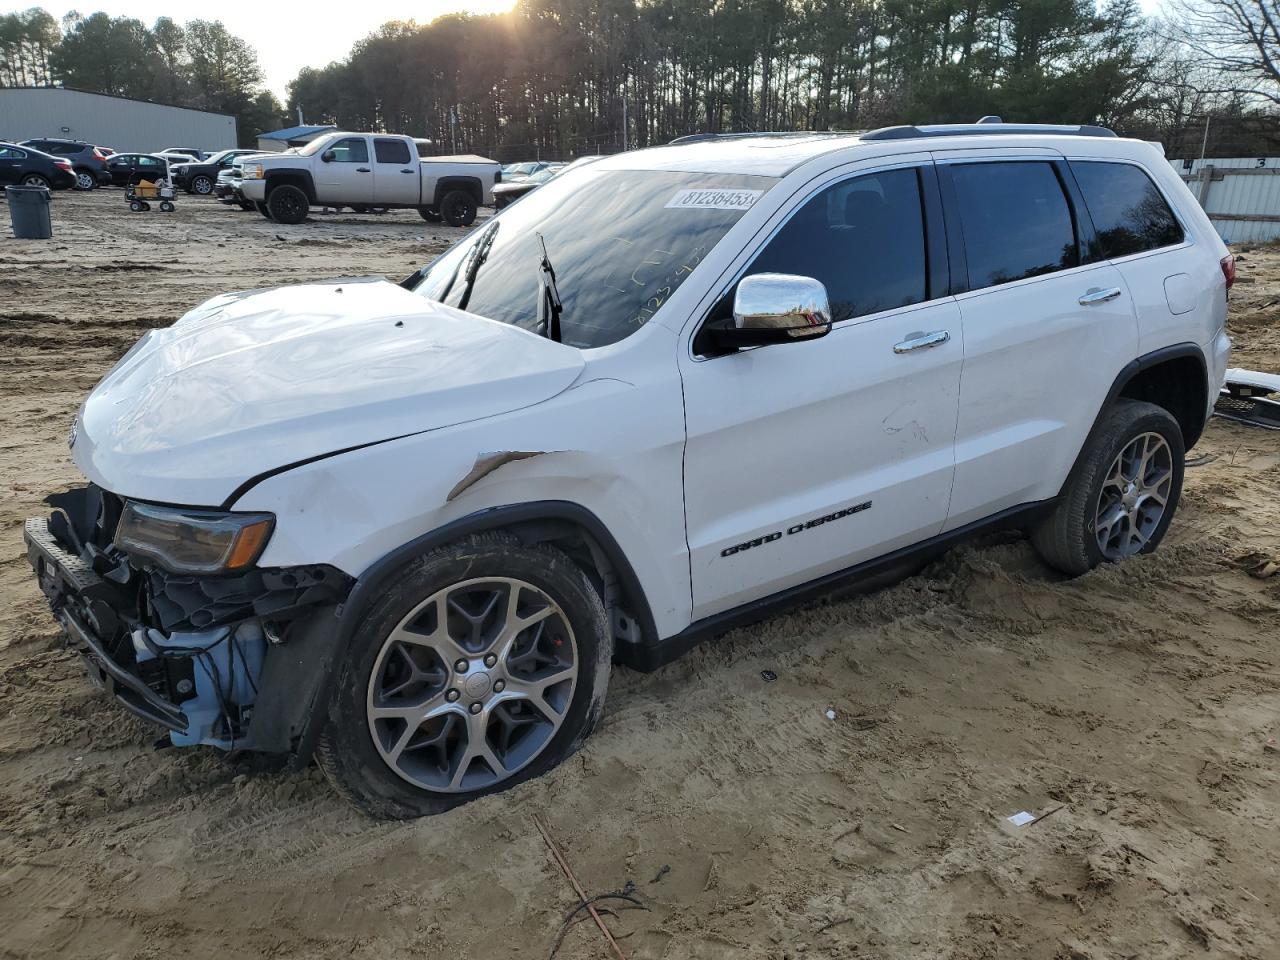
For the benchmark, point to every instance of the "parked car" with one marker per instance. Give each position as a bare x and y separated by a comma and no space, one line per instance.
519,171
128,168
183,154
411,526
29,167
201,177
368,170
508,192
88,162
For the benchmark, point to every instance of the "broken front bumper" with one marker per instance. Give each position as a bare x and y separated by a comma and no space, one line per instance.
72,589
227,662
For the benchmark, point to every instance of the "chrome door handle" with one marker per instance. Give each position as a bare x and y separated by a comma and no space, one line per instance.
918,341
1098,296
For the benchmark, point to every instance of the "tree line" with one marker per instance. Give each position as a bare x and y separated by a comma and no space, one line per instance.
565,78
199,64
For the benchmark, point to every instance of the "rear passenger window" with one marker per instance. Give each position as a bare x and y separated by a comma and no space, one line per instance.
863,238
391,151
1015,220
1129,213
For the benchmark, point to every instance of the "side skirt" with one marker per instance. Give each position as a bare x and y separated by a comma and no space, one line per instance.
869,575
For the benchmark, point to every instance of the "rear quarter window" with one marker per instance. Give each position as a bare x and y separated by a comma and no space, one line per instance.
1129,213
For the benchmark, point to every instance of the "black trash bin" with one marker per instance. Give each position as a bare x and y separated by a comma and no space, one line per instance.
29,212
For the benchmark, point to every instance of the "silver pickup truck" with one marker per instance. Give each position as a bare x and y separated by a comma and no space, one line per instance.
369,170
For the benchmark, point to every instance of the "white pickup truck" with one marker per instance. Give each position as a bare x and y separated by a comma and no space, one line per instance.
369,170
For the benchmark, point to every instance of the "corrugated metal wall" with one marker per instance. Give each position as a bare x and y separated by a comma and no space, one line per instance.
128,125
1240,194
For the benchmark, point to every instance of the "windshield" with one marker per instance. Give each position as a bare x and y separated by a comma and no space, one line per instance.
620,241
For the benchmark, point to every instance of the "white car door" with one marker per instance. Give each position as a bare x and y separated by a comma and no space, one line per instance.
1046,331
346,177
396,172
806,458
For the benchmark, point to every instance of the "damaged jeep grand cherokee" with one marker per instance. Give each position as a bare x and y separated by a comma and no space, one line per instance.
406,529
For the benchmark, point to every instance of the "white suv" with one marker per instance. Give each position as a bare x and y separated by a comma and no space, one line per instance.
408,528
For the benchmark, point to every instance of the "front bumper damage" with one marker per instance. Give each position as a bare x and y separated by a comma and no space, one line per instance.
233,662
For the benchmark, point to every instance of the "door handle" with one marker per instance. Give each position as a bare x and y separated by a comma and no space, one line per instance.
918,341
366,170
406,171
1098,296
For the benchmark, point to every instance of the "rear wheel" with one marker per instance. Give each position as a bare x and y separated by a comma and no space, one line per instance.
458,209
202,185
430,214
34,180
288,204
85,180
485,664
1122,497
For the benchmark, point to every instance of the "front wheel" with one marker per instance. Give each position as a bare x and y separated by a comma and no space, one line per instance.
262,208
288,204
1123,493
485,664
202,185
458,209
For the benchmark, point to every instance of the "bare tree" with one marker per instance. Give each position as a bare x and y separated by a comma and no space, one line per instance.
1239,38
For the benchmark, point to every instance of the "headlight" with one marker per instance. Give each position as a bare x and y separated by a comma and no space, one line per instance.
252,171
193,541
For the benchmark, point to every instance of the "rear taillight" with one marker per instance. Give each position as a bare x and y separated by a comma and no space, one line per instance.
1228,264
64,164
98,154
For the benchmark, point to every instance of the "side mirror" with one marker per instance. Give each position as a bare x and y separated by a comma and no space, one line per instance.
327,156
775,308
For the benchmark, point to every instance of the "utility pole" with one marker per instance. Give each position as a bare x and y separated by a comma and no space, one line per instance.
301,122
1204,144
624,123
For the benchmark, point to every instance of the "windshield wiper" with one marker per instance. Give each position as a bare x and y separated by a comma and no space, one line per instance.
479,254
549,305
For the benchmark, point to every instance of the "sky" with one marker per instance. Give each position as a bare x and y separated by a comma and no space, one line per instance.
289,35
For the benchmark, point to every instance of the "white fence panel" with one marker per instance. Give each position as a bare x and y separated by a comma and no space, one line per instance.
1240,194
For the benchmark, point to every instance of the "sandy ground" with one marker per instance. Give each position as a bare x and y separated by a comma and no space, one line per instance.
1133,706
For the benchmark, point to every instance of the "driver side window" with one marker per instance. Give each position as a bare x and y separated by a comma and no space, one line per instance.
863,238
351,150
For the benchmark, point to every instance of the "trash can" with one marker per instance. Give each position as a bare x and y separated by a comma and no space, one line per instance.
29,212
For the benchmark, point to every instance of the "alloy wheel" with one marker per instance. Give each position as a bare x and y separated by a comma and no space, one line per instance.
85,181
202,185
472,685
1134,496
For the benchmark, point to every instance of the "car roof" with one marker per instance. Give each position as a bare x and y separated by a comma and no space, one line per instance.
777,154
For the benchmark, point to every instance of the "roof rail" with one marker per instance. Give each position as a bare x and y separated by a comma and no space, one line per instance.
700,137
987,126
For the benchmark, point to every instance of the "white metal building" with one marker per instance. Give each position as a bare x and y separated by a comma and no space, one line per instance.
116,122
1241,195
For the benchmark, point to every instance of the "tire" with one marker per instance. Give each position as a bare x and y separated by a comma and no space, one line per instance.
35,180
244,204
135,206
472,581
201,185
1110,509
288,204
85,180
359,209
458,209
166,207
263,209
430,214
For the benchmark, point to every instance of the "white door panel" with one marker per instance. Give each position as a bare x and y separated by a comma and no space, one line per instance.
348,178
396,177
816,429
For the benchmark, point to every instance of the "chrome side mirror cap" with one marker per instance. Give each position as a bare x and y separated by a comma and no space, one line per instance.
774,308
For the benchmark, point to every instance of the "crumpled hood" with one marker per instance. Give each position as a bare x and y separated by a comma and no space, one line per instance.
250,382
